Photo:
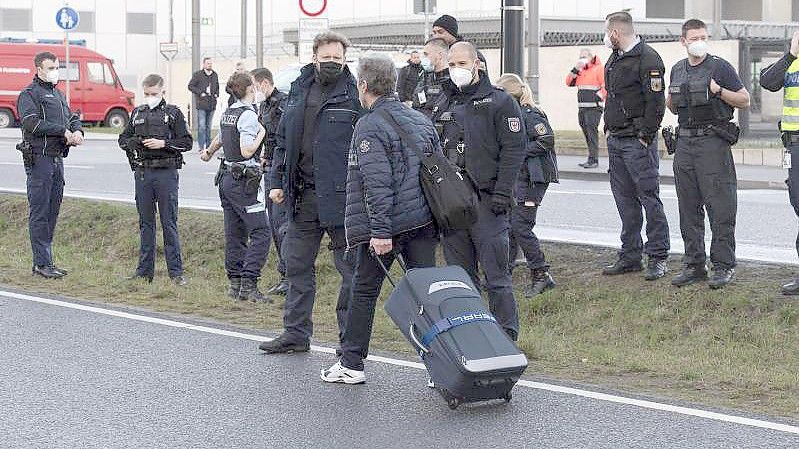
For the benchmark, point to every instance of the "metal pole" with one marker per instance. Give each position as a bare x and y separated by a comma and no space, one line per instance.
533,44
195,54
259,33
171,39
243,29
426,31
69,72
513,37
717,20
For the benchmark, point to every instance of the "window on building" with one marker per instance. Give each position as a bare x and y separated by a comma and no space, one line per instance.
141,23
742,10
74,72
16,19
794,10
86,22
659,9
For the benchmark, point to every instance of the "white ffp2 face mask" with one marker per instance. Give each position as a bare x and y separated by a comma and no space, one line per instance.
607,41
52,76
152,102
259,96
460,76
698,48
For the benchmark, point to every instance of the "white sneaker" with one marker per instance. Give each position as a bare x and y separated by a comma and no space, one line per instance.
340,374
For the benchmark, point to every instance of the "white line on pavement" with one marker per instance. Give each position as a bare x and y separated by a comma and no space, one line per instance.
525,383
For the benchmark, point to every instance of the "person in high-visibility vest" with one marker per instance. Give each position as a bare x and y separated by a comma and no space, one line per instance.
784,74
588,75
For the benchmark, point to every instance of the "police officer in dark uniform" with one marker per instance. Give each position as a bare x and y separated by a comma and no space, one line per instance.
48,130
240,191
784,74
271,104
154,140
704,92
310,177
540,168
434,72
633,112
482,132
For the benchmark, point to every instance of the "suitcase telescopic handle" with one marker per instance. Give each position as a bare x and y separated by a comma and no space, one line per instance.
412,333
379,260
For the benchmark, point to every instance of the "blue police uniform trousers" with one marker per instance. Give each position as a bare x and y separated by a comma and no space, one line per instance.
247,234
157,189
45,185
635,183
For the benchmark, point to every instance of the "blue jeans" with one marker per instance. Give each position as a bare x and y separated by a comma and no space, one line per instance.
204,120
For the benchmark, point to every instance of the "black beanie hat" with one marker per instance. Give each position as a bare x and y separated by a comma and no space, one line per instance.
448,23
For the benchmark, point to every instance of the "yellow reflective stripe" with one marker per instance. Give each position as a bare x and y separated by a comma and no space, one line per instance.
786,126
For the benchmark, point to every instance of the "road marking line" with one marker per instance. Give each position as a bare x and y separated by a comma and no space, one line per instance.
525,383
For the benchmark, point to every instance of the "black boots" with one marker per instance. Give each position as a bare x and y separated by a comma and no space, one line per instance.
540,281
689,275
249,291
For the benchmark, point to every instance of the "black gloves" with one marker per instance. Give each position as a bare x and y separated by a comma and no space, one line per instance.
500,203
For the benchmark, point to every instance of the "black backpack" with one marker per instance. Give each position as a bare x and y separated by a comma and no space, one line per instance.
449,192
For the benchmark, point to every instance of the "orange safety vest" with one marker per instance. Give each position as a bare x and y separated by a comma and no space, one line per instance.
590,84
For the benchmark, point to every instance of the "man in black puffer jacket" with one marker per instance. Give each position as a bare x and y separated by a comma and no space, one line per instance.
386,212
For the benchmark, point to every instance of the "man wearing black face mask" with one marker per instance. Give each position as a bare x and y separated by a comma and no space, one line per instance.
309,175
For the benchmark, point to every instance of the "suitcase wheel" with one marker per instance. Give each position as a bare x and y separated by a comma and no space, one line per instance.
452,401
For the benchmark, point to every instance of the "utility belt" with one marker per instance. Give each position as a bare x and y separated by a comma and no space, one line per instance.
250,174
51,152
162,162
789,138
693,132
628,131
726,131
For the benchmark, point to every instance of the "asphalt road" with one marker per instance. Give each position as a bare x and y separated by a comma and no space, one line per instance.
78,378
578,211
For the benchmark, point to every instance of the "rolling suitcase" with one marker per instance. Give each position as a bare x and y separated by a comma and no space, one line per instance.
467,354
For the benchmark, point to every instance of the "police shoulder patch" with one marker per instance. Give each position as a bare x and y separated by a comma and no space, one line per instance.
655,81
541,129
514,124
364,146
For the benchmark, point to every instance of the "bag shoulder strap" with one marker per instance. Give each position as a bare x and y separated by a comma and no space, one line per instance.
408,140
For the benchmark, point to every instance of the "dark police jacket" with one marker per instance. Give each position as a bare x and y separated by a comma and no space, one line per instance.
198,85
45,117
384,193
540,164
269,113
407,80
336,121
636,100
165,122
493,134
428,91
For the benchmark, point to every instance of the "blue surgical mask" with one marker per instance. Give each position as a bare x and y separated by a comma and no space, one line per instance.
427,65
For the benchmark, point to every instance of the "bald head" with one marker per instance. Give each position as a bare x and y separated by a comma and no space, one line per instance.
462,57
467,48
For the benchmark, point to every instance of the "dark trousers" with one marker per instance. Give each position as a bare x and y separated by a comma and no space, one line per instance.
300,248
247,236
704,176
204,120
589,123
278,223
418,251
45,186
486,244
635,183
157,189
522,222
793,183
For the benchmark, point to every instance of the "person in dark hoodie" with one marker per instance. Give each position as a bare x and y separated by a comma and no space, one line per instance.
409,77
387,213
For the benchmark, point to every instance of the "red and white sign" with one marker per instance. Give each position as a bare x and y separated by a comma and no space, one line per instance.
313,8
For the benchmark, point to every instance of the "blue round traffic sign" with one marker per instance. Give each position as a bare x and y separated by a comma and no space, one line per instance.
67,18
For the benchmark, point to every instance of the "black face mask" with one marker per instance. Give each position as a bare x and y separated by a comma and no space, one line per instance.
328,72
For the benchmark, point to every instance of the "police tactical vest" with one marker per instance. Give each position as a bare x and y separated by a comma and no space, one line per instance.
153,124
690,94
230,136
790,102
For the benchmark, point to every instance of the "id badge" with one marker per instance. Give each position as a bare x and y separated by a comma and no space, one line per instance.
422,97
786,158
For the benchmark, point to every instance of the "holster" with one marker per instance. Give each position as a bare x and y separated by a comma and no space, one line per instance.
727,131
28,158
670,136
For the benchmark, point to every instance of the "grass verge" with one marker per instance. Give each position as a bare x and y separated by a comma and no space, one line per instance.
738,347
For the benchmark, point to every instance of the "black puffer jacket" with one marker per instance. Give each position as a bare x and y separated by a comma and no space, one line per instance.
384,195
